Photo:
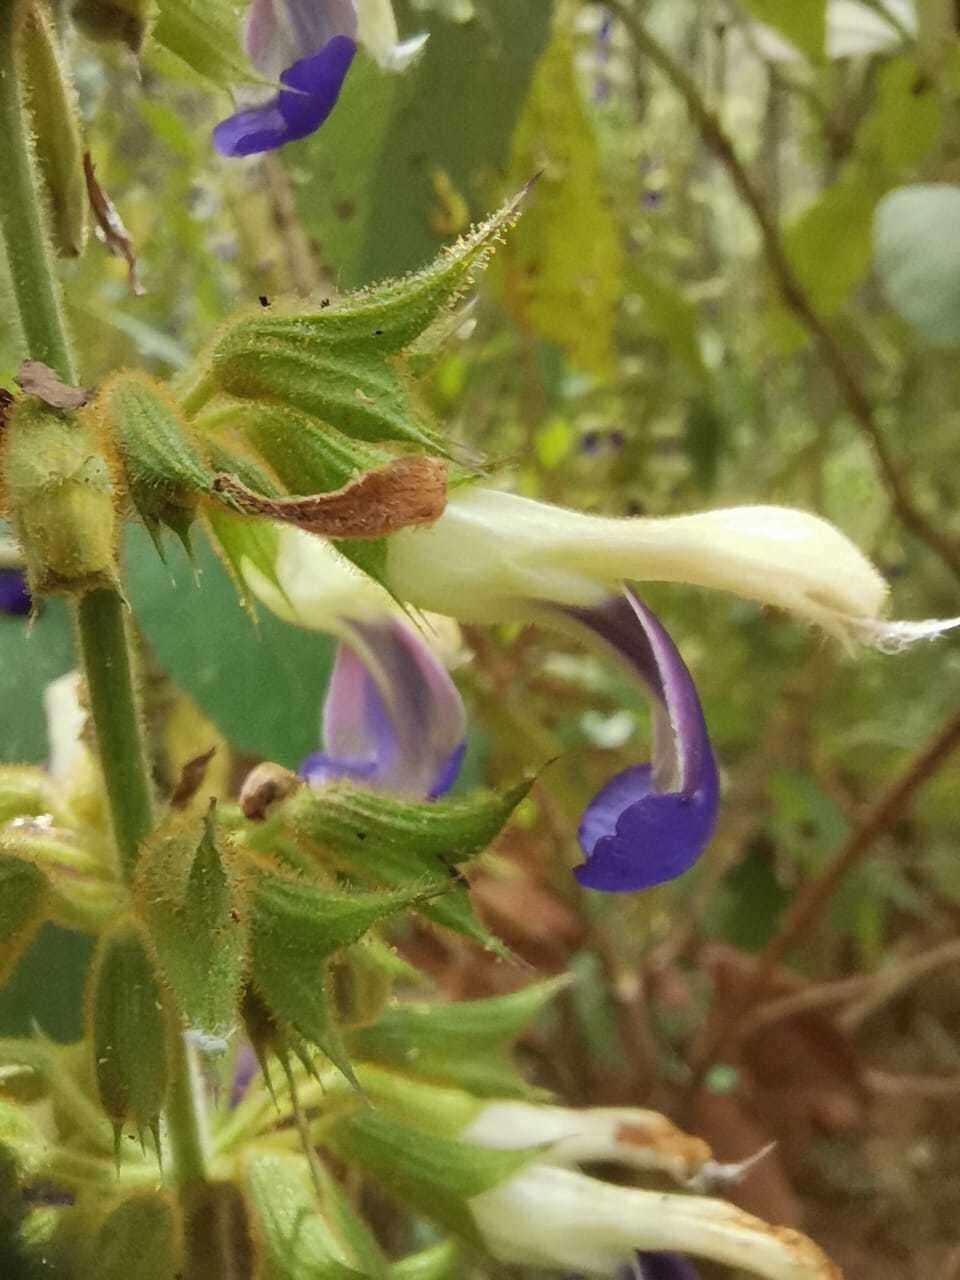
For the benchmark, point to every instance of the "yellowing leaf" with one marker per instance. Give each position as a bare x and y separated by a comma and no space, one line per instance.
560,270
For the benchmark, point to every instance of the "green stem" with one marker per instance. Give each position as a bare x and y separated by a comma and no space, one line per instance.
106,659
185,1118
100,614
35,285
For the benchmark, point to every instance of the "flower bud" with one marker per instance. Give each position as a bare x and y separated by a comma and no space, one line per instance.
60,495
193,906
58,146
127,21
128,1030
163,467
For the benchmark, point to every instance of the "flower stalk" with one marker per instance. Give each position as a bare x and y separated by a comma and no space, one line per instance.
104,645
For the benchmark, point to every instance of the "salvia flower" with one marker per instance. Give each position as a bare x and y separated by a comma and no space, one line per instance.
307,46
393,719
497,557
558,1218
551,1215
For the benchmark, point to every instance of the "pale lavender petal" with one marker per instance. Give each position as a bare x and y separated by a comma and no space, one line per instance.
278,33
245,1067
392,718
262,34
650,822
313,86
314,22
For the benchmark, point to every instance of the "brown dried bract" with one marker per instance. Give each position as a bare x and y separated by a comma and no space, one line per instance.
405,492
191,779
111,230
666,1140
38,379
263,787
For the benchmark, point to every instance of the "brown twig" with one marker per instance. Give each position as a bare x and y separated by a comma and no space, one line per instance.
807,906
862,994
789,286
888,984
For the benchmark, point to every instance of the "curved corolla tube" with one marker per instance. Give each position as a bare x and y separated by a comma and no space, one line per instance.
651,821
393,719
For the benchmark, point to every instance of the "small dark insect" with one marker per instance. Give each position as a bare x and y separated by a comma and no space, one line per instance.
264,300
324,303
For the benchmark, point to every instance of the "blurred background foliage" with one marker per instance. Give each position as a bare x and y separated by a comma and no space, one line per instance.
630,351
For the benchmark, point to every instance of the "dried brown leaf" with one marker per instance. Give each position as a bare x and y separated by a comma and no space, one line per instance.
111,230
191,779
38,379
404,492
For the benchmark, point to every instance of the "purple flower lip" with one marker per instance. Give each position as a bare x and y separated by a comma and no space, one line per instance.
311,88
15,599
650,822
393,719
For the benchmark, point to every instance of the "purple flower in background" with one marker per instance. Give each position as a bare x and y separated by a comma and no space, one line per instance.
14,596
307,46
659,1266
393,719
655,1266
651,821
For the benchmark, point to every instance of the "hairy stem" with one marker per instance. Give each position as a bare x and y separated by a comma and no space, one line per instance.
792,292
100,614
34,282
113,705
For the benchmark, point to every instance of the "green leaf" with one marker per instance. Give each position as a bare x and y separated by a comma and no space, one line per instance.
128,1030
802,22
670,316
917,257
297,1241
138,1238
193,910
31,655
562,268
23,907
205,35
829,243
464,1043
266,699
436,134
435,1175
